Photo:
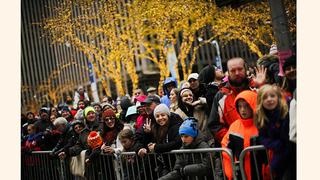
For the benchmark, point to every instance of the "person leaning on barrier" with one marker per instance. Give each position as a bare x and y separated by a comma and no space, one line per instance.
77,142
160,136
194,166
66,132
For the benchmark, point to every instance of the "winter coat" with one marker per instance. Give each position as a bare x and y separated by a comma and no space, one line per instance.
275,137
197,111
165,99
31,142
79,143
63,141
173,140
191,165
77,98
223,112
93,126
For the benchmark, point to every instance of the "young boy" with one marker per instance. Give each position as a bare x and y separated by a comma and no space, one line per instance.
190,165
129,162
242,133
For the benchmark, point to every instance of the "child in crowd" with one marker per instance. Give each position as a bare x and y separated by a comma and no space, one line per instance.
272,120
191,165
31,142
241,134
129,162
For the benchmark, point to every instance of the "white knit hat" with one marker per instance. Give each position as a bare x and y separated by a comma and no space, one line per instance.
161,108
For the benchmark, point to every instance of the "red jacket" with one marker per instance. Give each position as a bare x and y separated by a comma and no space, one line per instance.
223,112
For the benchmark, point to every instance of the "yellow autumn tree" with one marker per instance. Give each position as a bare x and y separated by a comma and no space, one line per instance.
250,24
160,24
94,29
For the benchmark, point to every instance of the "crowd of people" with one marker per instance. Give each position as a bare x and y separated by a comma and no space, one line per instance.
243,107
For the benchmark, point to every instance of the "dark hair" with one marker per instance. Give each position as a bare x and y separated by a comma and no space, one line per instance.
207,74
187,109
126,133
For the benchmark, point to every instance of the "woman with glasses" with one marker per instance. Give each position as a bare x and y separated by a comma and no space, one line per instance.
110,129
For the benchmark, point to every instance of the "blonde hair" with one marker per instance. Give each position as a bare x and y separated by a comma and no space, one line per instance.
260,118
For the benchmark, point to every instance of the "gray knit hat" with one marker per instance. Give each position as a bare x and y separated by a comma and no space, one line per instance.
161,108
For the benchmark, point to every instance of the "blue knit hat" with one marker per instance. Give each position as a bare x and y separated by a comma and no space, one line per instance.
189,127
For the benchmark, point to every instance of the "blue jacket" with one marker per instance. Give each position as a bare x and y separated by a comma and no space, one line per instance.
165,99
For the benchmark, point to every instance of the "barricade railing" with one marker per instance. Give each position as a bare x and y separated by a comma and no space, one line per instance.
260,163
125,166
153,165
38,165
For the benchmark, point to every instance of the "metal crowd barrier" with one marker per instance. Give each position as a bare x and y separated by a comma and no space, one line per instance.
150,166
39,166
260,156
125,166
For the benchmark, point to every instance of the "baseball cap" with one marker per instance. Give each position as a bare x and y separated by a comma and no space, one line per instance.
193,76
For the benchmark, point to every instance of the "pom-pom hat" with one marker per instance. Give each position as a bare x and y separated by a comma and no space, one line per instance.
94,140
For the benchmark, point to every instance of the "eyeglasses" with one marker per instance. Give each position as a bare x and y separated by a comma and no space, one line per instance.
29,130
109,119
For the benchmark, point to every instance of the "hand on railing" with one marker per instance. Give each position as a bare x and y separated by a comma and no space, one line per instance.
151,147
142,152
62,155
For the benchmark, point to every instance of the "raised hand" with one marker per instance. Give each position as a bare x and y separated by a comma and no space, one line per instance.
261,75
147,126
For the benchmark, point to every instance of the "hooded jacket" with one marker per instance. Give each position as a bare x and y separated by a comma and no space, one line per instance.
165,99
241,134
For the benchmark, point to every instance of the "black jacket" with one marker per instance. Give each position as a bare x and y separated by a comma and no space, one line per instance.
63,141
173,140
191,164
78,143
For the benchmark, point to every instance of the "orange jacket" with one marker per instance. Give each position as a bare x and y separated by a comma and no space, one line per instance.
239,135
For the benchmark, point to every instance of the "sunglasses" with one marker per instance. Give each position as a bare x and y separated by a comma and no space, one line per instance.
109,119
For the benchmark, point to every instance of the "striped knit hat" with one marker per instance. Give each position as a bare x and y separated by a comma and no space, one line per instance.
94,140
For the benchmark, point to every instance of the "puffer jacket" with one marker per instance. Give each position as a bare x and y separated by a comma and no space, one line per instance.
242,134
191,166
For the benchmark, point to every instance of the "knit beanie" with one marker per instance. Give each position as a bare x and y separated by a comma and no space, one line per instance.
161,108
189,127
94,140
87,110
108,113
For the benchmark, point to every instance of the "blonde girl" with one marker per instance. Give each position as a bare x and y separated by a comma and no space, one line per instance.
272,121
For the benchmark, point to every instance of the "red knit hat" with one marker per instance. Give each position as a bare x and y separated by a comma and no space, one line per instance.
94,140
108,113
